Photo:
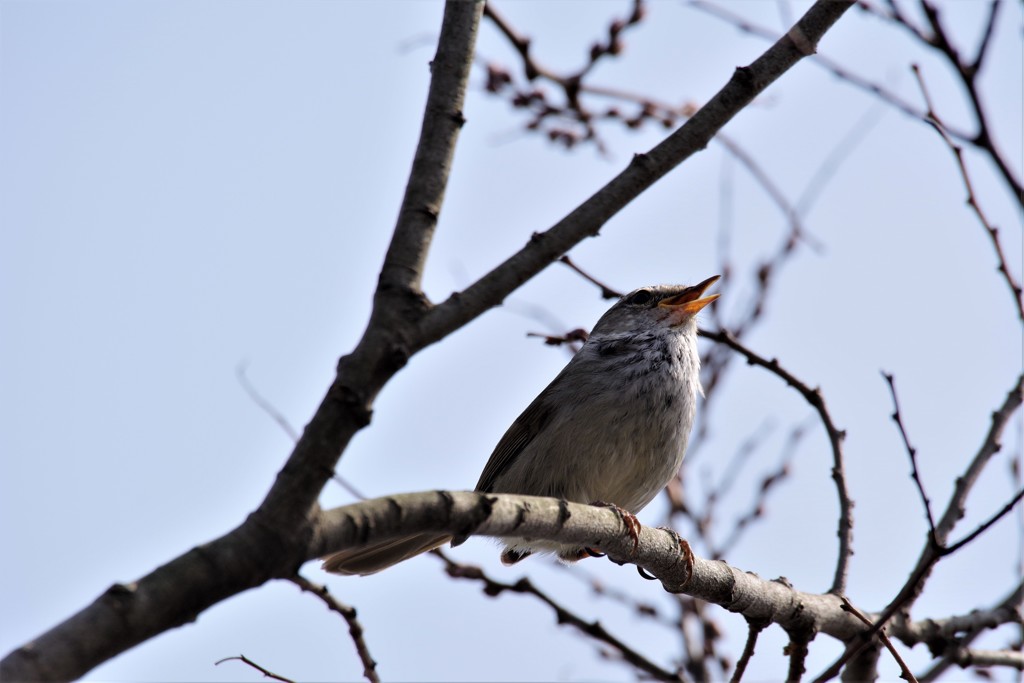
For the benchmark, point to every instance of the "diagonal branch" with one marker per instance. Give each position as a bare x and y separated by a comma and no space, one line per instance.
432,163
1003,268
271,542
915,473
935,548
594,629
989,447
643,171
348,613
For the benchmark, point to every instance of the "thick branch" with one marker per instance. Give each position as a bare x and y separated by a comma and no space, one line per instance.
442,120
658,551
271,542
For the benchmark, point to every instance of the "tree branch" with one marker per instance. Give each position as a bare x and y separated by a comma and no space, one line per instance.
348,613
658,551
593,629
644,170
274,540
835,437
935,548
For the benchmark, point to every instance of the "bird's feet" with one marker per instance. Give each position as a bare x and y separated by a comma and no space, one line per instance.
629,521
686,555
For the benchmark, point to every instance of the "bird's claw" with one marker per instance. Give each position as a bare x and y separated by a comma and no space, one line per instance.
686,555
629,520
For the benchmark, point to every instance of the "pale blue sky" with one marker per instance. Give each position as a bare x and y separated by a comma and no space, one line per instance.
186,187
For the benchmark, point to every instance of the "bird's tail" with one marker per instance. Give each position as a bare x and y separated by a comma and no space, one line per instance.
371,559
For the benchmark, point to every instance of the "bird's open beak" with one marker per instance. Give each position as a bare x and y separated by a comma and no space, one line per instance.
689,302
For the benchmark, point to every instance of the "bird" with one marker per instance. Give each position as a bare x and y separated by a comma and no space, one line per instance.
610,429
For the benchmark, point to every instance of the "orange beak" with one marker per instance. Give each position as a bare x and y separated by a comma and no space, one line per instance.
690,301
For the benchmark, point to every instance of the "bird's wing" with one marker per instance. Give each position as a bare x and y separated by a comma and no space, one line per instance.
519,435
516,439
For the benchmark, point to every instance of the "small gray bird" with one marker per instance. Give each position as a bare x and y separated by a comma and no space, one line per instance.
610,429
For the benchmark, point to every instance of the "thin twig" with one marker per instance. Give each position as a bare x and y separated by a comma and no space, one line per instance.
936,123
833,67
835,437
348,613
986,36
906,674
933,550
989,447
730,473
797,650
571,85
983,139
606,291
768,484
264,404
278,417
265,672
984,526
915,472
594,629
604,590
754,629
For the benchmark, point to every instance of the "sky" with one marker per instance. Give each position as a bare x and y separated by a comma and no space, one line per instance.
190,189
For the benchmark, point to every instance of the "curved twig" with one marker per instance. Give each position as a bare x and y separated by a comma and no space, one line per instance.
835,437
348,613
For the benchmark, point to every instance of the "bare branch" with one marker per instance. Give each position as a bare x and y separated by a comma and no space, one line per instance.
246,660
754,629
271,542
934,549
602,589
282,422
756,511
984,526
797,650
644,170
835,437
983,138
965,657
278,536
1008,611
264,404
972,200
593,629
989,447
829,65
944,635
571,85
912,452
606,291
906,674
658,550
986,37
348,613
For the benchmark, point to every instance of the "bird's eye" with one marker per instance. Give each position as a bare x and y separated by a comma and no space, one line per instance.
641,297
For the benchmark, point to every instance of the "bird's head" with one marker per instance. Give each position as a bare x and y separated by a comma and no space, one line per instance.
659,307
